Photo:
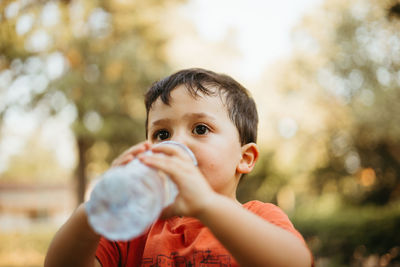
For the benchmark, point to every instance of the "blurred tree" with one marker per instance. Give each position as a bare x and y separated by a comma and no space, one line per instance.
262,183
348,55
346,65
25,169
94,61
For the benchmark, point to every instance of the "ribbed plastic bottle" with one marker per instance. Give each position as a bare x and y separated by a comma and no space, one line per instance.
128,199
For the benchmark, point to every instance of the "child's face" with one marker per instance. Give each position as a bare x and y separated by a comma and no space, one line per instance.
204,126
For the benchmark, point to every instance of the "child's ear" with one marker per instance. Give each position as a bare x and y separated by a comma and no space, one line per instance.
249,158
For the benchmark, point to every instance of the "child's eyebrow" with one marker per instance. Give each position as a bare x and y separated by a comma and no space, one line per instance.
199,115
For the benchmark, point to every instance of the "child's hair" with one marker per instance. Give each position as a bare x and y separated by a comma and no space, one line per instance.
241,107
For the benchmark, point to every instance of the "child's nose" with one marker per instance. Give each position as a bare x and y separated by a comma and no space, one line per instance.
181,138
185,140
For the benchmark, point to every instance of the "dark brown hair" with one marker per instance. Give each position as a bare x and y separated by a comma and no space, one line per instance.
241,107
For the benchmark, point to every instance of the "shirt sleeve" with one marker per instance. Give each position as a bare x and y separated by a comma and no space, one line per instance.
274,215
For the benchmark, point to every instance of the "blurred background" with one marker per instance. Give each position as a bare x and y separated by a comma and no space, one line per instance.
325,75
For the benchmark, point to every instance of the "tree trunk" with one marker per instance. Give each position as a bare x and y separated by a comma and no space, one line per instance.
80,173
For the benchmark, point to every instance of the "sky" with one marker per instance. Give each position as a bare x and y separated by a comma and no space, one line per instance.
262,35
263,27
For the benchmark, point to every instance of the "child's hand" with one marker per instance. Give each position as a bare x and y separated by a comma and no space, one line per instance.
131,153
194,190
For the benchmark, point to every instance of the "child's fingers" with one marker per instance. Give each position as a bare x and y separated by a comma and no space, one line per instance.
129,154
171,150
159,161
183,173
192,185
122,161
138,148
169,165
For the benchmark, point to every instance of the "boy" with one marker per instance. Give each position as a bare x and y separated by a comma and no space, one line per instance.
216,118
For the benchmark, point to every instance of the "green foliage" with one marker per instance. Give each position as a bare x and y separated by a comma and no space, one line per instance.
108,74
262,183
95,59
357,73
351,234
37,164
348,60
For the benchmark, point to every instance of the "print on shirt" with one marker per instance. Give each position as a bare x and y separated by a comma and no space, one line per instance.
203,258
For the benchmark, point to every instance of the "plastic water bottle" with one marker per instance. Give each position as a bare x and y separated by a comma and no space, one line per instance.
129,198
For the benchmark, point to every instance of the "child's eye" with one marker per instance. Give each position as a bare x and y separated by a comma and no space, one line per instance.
200,129
161,135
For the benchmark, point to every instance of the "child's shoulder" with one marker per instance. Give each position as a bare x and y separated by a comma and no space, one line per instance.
269,212
273,214
258,206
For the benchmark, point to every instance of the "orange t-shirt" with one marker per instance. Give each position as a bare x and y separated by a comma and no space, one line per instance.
182,242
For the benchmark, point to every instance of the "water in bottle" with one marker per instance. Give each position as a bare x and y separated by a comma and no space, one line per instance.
129,198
